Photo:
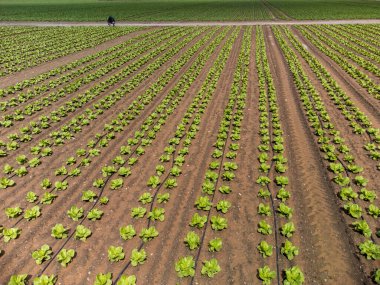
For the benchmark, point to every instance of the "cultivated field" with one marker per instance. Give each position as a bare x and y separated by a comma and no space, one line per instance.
190,155
186,10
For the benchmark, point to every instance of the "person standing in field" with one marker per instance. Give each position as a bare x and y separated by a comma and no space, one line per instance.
111,21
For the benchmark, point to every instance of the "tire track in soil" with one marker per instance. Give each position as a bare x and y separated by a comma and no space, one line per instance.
85,181
60,103
56,161
59,158
176,219
355,142
326,253
139,182
49,65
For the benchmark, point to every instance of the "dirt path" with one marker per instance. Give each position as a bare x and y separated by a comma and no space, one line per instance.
226,23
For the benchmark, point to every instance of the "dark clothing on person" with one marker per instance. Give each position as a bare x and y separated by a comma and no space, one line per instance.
111,21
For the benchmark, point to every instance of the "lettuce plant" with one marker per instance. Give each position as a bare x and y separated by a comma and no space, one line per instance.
163,198
225,189
264,228
192,240
59,231
95,214
263,180
360,180
374,211
370,250
264,210
48,198
228,175
89,196
289,250
218,223
65,256
285,211
116,183
210,267
157,214
203,203
367,195
98,183
103,279
42,254
138,257
31,197
82,233
61,185
354,210
215,245
198,221
263,193
5,183
13,212
363,228
32,213
45,280
265,249
208,187
185,266
46,183
104,200
288,229
347,194
160,169
376,276
127,280
154,181
127,232
282,180
223,206
283,195
294,276
171,183
146,198
115,253
266,275
10,233
18,279
138,212
148,234
124,171
75,213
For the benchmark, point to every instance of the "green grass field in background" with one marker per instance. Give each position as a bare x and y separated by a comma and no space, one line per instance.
183,10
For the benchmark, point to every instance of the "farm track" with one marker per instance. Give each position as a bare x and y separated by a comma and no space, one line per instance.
193,24
315,199
173,95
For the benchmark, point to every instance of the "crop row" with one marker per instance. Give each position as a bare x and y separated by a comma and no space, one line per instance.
272,169
337,157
